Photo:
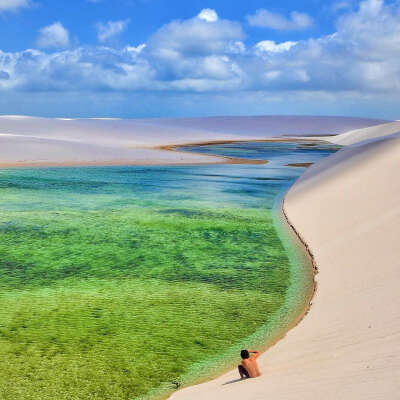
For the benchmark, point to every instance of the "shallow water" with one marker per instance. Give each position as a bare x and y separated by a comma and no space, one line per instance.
193,255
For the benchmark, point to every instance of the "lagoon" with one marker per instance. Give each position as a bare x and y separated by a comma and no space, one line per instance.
129,282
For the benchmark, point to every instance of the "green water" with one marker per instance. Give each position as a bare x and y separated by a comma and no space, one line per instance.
128,282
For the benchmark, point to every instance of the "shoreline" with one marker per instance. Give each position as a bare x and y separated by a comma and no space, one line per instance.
345,210
212,159
208,160
301,257
226,160
229,160
232,141
298,313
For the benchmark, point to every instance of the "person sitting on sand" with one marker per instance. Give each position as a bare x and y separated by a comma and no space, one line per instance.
249,367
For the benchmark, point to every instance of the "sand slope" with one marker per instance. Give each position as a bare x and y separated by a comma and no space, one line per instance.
347,208
362,134
32,151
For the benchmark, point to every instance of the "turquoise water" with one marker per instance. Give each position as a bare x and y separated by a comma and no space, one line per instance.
90,188
195,256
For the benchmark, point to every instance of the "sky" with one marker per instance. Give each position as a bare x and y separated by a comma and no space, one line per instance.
177,58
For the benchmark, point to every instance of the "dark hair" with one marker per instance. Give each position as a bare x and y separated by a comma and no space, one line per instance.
244,354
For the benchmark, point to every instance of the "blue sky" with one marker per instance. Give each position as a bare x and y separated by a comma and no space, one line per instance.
18,30
158,58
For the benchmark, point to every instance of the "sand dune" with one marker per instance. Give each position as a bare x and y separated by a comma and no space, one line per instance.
347,208
372,132
266,126
62,141
33,151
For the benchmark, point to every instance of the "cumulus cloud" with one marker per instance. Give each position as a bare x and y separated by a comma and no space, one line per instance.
195,36
267,19
209,15
54,35
110,29
137,49
362,56
197,55
83,68
12,5
271,46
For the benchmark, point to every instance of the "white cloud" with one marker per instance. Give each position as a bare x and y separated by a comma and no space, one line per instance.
271,46
209,15
12,5
237,47
362,57
271,75
194,37
54,35
267,19
193,50
342,5
137,49
110,29
371,7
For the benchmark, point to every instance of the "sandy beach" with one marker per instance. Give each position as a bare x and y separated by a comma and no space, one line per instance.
346,208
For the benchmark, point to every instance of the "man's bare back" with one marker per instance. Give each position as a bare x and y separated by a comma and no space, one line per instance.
249,367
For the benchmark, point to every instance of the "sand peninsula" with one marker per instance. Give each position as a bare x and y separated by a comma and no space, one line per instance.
345,208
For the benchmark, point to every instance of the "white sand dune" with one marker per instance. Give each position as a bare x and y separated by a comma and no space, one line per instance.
266,126
52,141
347,209
30,151
372,132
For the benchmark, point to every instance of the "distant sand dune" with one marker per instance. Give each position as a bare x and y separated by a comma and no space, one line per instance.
372,132
63,141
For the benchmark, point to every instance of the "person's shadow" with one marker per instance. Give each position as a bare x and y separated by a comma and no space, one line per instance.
234,381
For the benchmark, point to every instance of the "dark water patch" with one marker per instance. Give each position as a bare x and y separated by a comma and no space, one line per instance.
269,179
185,213
300,165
